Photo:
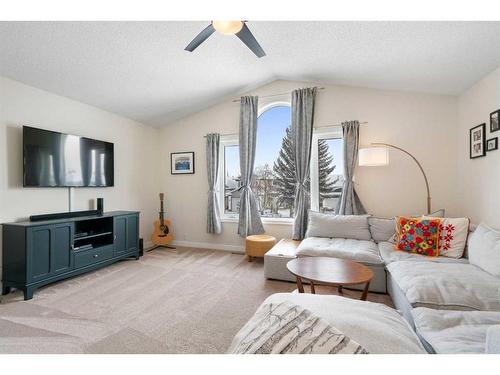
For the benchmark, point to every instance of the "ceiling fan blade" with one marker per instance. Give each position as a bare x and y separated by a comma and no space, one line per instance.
247,37
200,38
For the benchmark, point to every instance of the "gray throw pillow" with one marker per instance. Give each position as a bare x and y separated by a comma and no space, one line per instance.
381,228
338,226
484,249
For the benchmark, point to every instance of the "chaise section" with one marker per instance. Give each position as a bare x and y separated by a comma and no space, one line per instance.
361,251
376,327
454,332
445,286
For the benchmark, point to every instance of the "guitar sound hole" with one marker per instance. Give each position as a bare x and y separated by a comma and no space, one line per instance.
164,231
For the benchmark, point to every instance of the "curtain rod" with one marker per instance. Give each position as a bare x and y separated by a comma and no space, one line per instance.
317,127
271,95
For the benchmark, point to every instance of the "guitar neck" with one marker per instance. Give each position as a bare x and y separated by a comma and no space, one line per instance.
161,212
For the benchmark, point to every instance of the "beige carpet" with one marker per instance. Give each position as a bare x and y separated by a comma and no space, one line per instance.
170,301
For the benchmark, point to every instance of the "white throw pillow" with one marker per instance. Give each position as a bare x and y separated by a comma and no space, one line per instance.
484,249
382,229
453,236
338,226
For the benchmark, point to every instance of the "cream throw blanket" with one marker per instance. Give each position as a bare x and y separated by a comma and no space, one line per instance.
286,328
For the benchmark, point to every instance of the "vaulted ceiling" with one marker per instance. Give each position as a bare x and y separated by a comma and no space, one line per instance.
140,69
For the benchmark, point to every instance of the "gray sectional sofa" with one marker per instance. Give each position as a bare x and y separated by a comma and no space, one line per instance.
452,304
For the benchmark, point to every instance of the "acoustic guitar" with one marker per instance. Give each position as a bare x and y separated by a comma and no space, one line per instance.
162,235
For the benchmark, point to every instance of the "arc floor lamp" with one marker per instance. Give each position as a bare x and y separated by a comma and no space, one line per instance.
378,155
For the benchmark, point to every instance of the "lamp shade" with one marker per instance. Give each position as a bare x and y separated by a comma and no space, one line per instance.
373,156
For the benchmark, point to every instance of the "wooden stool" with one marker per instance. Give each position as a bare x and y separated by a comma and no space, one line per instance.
257,245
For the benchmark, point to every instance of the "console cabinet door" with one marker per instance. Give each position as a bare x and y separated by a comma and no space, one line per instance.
132,233
38,246
50,251
126,230
62,249
120,229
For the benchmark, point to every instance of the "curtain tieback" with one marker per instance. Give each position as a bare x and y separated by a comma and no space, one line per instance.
242,187
302,186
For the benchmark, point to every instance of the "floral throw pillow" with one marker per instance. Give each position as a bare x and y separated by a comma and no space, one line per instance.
418,235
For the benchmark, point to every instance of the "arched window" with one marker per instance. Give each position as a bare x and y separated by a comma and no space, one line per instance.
274,169
274,172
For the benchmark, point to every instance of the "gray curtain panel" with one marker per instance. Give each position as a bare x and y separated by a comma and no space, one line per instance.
349,203
249,220
302,130
213,211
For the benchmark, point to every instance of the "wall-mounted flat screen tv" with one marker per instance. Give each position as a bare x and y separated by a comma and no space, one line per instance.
53,159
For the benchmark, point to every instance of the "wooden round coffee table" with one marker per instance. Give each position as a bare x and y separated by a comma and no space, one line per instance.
330,271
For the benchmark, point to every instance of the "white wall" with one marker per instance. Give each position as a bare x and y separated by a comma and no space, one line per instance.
136,155
424,124
478,180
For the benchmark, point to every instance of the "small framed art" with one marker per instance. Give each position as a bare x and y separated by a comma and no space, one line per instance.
478,141
494,124
182,163
492,144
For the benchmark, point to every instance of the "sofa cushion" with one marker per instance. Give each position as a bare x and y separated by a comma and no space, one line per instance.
484,249
381,229
446,286
377,327
389,254
357,250
338,226
453,332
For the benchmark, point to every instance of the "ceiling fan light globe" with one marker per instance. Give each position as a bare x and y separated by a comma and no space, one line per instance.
228,27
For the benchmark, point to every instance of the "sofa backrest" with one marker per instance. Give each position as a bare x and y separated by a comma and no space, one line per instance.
338,226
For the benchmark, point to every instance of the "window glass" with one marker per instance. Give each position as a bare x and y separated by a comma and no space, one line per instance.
274,172
232,179
330,173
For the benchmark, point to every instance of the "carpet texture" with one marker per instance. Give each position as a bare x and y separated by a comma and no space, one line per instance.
169,301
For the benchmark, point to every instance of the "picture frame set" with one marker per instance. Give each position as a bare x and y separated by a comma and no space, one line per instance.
182,163
479,145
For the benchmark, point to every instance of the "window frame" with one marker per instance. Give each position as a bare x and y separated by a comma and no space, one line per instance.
225,141
330,132
233,140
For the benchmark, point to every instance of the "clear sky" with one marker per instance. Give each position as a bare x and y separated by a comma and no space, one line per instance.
272,126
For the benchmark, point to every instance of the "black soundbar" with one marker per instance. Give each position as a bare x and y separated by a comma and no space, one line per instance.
64,215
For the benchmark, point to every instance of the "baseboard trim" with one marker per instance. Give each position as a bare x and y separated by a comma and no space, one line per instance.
208,245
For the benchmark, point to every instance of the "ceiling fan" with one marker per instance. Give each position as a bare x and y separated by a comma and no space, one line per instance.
238,28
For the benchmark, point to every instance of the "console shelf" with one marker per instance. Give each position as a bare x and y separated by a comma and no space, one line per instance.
39,253
92,236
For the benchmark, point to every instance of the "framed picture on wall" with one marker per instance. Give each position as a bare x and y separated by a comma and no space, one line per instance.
492,144
182,163
478,141
494,124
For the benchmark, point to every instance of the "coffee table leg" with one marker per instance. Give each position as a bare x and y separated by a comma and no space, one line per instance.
339,289
300,287
365,292
313,291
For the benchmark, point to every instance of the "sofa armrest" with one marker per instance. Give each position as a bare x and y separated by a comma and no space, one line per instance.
493,340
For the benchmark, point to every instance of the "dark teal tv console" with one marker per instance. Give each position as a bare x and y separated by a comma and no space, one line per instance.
39,253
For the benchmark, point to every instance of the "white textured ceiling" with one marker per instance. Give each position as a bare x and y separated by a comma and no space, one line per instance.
140,69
